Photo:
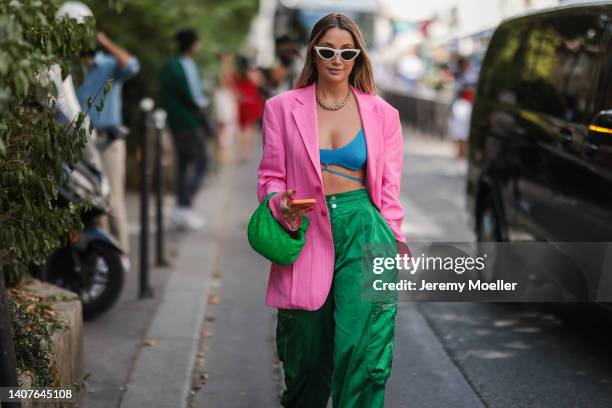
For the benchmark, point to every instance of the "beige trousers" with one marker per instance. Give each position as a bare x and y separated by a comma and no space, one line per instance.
113,160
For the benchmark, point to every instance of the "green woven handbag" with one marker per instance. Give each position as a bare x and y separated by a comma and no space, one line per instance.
271,240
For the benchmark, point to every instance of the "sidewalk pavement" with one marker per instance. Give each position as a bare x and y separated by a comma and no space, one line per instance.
161,373
236,365
113,341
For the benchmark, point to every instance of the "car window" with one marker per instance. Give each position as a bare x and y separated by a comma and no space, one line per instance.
506,72
568,64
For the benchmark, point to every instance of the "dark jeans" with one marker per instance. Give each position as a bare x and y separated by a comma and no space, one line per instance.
191,161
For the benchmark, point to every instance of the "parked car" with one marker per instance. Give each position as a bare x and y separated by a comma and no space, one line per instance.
540,141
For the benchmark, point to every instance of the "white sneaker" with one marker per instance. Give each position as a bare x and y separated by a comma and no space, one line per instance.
183,217
194,221
178,217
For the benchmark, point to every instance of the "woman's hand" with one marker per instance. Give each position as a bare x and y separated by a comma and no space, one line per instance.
292,213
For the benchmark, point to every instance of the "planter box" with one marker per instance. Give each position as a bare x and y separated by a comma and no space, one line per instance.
67,344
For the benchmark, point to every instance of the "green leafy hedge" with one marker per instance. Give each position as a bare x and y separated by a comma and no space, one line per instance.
32,145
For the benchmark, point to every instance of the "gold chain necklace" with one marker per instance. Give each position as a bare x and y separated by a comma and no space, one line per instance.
333,107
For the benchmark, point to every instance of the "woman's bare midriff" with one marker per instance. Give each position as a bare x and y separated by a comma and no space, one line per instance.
333,183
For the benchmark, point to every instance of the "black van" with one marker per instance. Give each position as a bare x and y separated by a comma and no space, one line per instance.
540,143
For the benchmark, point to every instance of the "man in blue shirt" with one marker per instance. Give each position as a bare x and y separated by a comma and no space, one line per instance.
116,64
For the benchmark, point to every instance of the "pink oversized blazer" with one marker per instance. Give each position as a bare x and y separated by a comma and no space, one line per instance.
291,161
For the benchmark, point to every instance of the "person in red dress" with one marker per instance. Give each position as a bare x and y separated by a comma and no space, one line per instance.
250,107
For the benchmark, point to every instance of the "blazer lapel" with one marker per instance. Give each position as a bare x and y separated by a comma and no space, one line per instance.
371,121
306,120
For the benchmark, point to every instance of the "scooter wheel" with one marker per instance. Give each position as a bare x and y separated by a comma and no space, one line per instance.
102,279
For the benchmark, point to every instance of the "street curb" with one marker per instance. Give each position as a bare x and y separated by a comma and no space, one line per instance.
161,375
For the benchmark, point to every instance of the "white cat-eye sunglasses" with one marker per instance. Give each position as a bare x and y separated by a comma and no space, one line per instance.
346,54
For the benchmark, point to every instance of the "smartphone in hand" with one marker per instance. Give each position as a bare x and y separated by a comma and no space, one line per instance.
302,205
304,202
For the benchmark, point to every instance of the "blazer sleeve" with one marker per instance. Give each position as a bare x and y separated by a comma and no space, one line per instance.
392,210
271,173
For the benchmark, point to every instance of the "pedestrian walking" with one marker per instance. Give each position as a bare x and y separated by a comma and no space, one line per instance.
116,64
333,140
461,106
250,107
289,56
183,99
225,108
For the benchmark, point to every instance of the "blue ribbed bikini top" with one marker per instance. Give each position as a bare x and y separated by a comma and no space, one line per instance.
352,156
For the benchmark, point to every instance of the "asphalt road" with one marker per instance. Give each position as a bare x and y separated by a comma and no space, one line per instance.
506,355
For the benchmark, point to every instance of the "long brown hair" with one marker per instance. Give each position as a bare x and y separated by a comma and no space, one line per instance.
361,77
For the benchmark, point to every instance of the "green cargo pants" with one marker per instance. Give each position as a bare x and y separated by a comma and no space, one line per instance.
346,346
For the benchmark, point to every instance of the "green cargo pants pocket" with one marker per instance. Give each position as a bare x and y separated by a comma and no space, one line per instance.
381,339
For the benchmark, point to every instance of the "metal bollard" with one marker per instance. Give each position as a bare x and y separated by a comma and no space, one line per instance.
159,119
146,106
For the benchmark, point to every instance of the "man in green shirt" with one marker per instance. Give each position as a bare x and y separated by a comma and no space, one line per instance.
183,99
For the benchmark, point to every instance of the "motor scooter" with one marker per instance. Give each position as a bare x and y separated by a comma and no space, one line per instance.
91,264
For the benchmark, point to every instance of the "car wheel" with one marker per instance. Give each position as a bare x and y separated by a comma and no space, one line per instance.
488,231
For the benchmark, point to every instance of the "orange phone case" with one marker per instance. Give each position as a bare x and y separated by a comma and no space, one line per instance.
304,201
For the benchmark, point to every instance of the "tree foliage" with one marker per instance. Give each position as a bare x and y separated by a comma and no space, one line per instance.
146,28
32,145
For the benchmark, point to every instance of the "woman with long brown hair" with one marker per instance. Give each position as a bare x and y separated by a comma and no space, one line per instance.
333,140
